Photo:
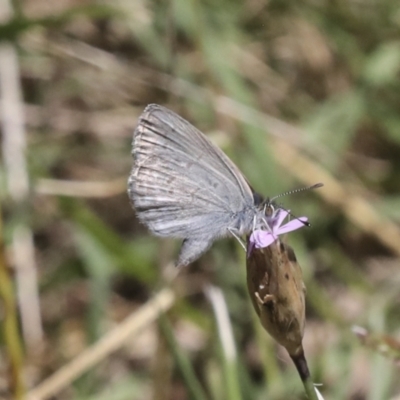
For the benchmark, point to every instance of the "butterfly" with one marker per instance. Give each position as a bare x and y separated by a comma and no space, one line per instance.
183,186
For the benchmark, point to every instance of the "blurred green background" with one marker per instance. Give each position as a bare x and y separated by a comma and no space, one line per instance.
295,93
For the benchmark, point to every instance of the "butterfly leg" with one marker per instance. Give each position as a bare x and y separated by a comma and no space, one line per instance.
232,231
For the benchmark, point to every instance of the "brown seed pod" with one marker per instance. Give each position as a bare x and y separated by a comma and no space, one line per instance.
277,291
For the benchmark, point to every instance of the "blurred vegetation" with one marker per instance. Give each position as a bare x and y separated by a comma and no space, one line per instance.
319,77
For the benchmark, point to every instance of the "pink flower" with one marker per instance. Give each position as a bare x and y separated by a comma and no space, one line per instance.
264,238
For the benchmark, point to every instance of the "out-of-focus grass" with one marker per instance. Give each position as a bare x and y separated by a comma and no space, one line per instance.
329,68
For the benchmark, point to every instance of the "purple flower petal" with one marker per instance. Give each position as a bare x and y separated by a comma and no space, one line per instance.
292,225
262,239
275,221
282,214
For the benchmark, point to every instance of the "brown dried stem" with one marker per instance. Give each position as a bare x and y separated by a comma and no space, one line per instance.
109,343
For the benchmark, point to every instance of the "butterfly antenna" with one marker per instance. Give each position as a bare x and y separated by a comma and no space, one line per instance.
316,186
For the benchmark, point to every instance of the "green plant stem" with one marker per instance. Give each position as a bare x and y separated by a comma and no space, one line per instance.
193,386
310,389
12,338
302,368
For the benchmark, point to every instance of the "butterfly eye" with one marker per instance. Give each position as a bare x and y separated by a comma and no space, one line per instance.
258,199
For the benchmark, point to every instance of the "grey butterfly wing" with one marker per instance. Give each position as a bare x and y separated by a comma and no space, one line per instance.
181,185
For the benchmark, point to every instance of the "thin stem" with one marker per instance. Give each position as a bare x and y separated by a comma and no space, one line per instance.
11,332
193,385
15,166
301,364
310,389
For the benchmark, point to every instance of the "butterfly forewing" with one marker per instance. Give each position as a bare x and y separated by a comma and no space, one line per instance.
182,185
